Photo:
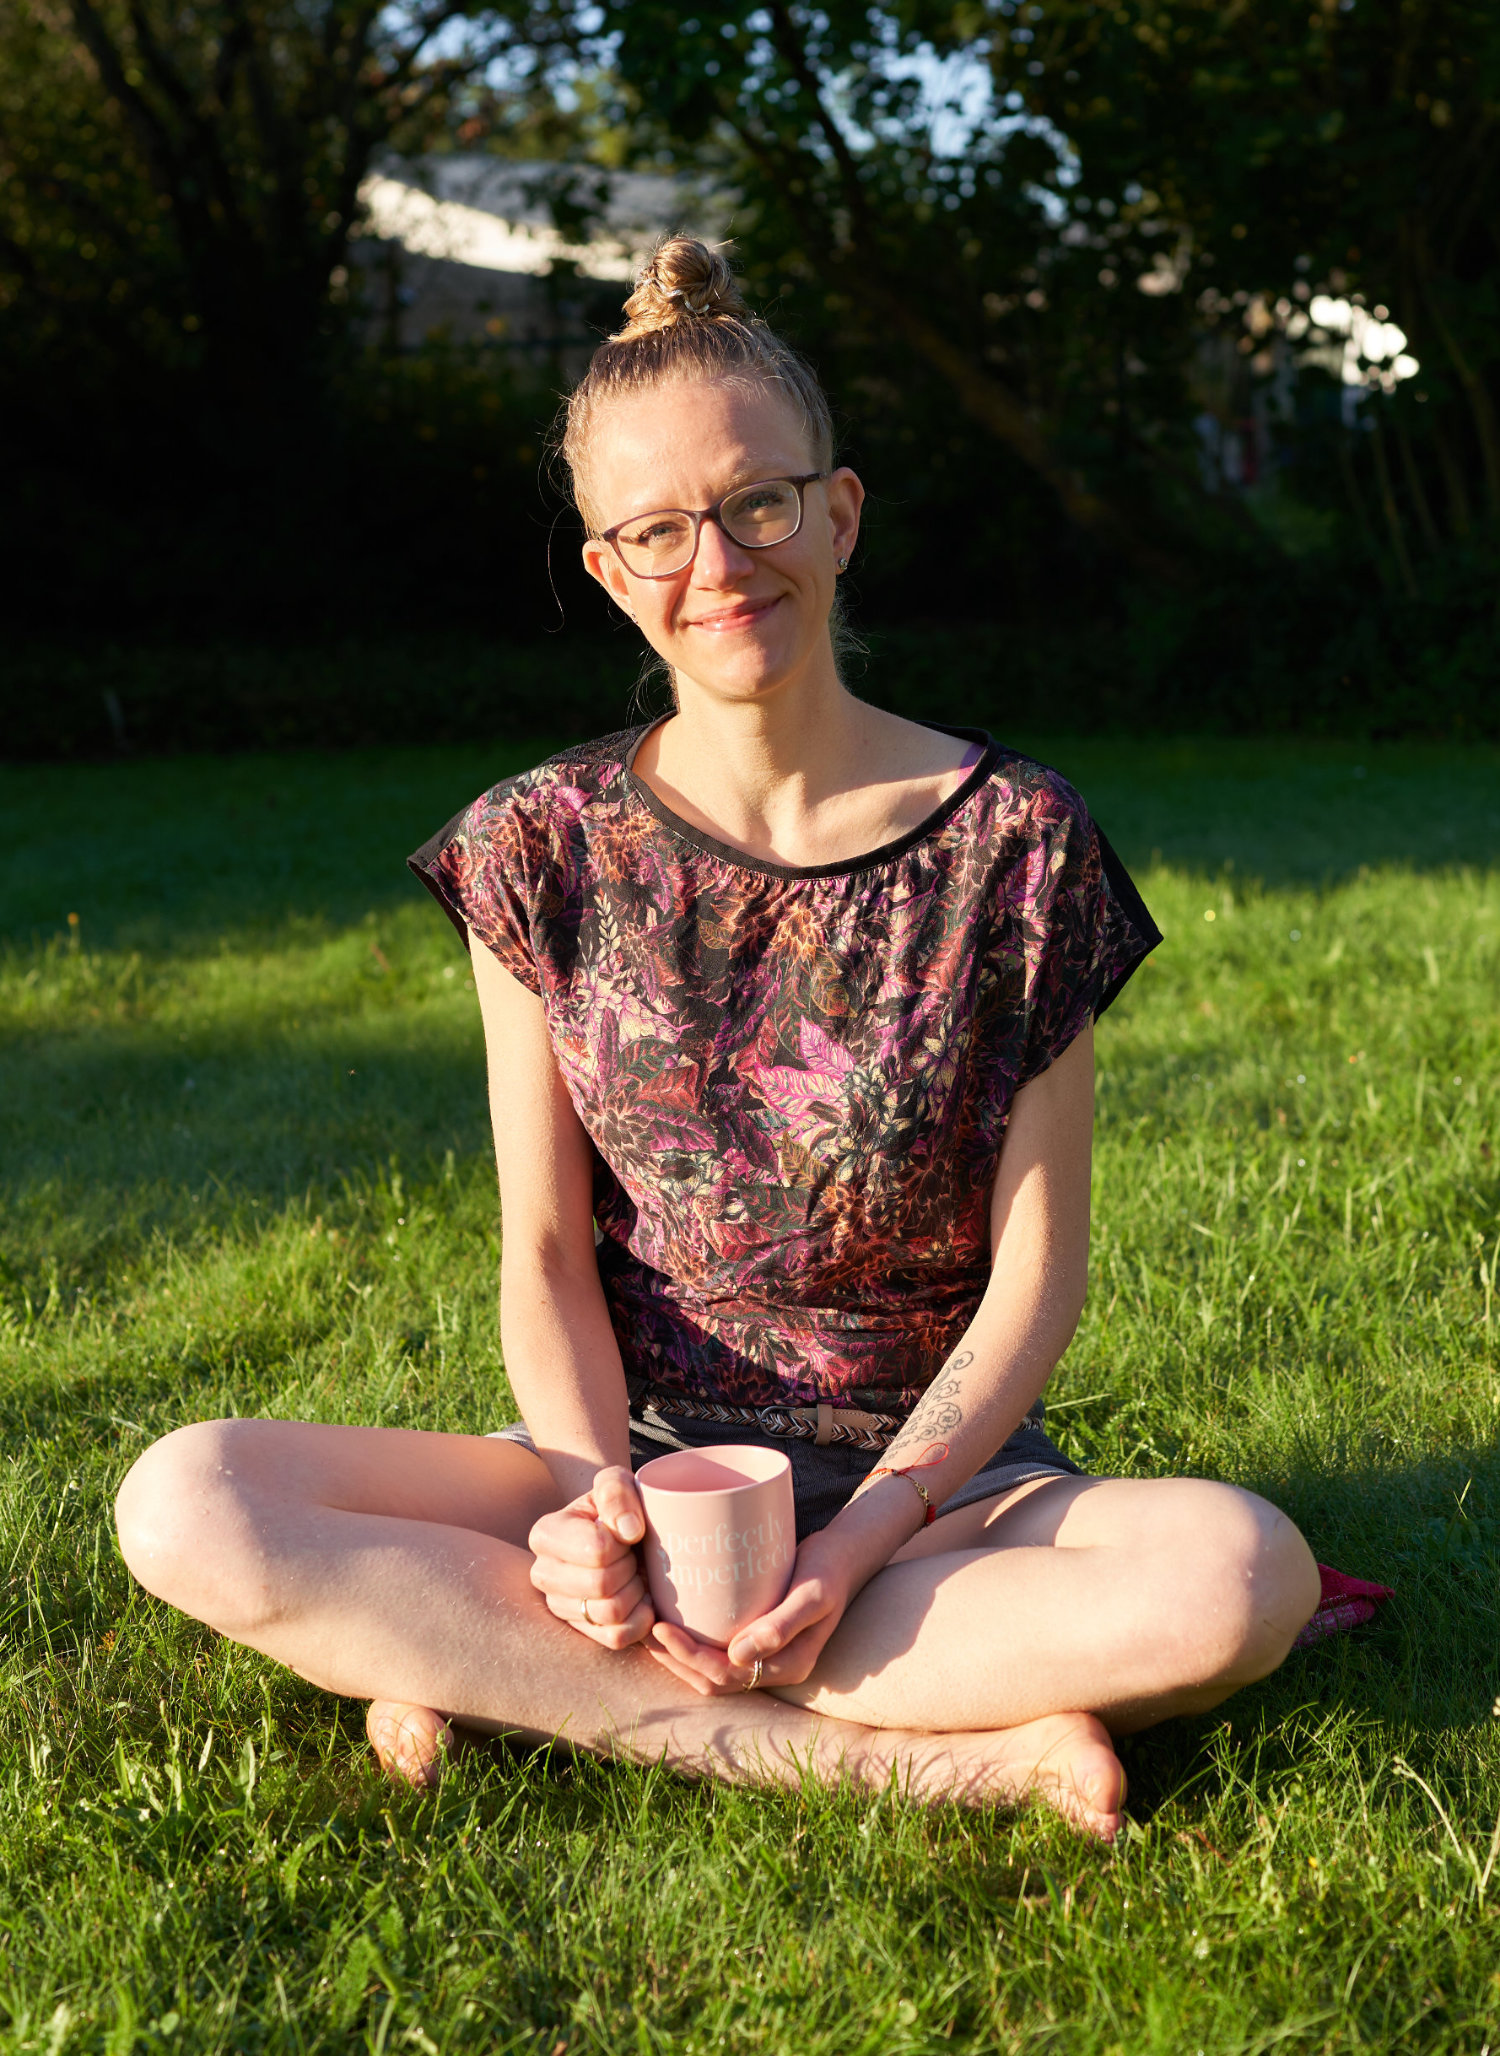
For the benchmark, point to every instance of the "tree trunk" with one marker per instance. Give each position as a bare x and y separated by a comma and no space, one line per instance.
1418,490
1391,511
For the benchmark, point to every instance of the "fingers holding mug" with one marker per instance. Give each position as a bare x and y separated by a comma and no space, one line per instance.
701,1665
615,1621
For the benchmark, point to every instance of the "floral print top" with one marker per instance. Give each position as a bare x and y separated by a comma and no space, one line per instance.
796,1080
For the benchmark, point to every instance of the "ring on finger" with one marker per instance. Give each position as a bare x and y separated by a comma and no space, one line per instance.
583,1603
754,1677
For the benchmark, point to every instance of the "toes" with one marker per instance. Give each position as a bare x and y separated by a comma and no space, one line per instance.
410,1742
1101,1795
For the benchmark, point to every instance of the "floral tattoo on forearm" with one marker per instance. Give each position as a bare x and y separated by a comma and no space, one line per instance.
936,1414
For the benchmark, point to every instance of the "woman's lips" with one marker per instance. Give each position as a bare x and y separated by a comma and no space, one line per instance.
744,614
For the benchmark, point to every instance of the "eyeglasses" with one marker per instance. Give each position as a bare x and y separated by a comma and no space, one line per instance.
755,516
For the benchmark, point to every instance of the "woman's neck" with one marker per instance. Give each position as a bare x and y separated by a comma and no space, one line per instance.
805,775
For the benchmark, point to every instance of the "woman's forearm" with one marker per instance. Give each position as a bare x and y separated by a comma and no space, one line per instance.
977,1400
990,1382
564,1366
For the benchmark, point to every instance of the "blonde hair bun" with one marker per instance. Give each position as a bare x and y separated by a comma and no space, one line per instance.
686,321
683,279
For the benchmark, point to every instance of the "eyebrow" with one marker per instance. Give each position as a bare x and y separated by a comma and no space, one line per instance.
750,474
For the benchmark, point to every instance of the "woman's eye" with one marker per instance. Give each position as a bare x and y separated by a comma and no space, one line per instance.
655,535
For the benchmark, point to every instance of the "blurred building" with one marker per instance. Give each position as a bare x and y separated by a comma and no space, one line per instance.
468,248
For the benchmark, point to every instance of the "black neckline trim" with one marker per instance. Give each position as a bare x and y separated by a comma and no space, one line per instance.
888,851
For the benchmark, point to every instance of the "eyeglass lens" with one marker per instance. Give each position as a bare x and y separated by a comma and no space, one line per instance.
756,516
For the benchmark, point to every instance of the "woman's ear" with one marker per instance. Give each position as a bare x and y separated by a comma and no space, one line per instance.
846,496
600,562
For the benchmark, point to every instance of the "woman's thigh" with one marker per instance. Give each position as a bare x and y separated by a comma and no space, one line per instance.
266,1470
1139,1515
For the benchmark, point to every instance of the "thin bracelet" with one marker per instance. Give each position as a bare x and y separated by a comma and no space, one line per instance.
929,1462
887,1470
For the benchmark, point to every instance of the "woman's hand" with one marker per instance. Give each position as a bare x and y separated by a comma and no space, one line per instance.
585,1564
788,1640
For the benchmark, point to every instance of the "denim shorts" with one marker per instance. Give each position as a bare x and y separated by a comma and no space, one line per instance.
824,1479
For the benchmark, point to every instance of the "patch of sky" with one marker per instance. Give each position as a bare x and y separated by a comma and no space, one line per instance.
444,38
949,95
956,95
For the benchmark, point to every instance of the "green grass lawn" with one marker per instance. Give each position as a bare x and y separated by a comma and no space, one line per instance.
244,1168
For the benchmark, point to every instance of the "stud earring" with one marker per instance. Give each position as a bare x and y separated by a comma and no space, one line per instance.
843,563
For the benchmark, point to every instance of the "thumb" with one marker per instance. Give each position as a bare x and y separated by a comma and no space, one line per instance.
617,1503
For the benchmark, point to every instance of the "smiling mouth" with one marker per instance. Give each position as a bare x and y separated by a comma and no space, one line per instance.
743,614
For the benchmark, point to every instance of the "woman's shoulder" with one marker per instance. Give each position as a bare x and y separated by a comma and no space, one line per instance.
1058,848
515,846
561,786
548,796
1032,801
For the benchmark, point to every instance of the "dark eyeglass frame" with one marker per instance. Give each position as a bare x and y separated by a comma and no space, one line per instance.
715,515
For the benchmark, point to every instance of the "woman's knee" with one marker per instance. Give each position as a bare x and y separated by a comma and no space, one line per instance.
1250,1586
186,1516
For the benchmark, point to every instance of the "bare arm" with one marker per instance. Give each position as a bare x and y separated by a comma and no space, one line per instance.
560,1351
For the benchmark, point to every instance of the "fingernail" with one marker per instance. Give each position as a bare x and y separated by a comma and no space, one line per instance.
631,1527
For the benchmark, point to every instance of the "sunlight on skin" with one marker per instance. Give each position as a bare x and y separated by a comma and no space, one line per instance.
767,751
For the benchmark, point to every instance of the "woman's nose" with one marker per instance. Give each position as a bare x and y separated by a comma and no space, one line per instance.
719,557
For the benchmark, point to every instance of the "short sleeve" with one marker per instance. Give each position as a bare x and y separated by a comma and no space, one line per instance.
481,870
1085,926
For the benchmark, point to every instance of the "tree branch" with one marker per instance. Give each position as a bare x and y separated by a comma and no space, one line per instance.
150,130
982,396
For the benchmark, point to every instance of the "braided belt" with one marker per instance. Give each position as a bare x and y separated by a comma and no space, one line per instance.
822,1424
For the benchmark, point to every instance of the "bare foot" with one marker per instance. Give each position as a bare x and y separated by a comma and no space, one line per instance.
1065,1759
410,1742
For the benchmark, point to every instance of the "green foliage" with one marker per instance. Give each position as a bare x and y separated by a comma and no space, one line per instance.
1272,151
1294,1284
1131,233
187,399
1212,666
192,406
408,500
182,181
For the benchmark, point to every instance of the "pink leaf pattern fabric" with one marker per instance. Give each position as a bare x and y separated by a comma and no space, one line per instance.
796,1081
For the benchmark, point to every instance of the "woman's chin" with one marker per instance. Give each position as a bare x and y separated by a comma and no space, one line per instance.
743,673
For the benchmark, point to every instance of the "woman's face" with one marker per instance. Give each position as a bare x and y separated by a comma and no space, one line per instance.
740,622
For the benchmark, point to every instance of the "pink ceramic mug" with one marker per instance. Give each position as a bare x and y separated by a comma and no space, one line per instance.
721,1536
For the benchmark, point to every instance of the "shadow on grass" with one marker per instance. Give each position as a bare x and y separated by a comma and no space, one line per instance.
1426,1669
112,1139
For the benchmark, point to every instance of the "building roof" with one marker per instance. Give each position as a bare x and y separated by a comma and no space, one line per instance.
496,213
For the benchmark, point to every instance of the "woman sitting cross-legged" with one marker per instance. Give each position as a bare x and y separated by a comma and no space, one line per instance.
789,1011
